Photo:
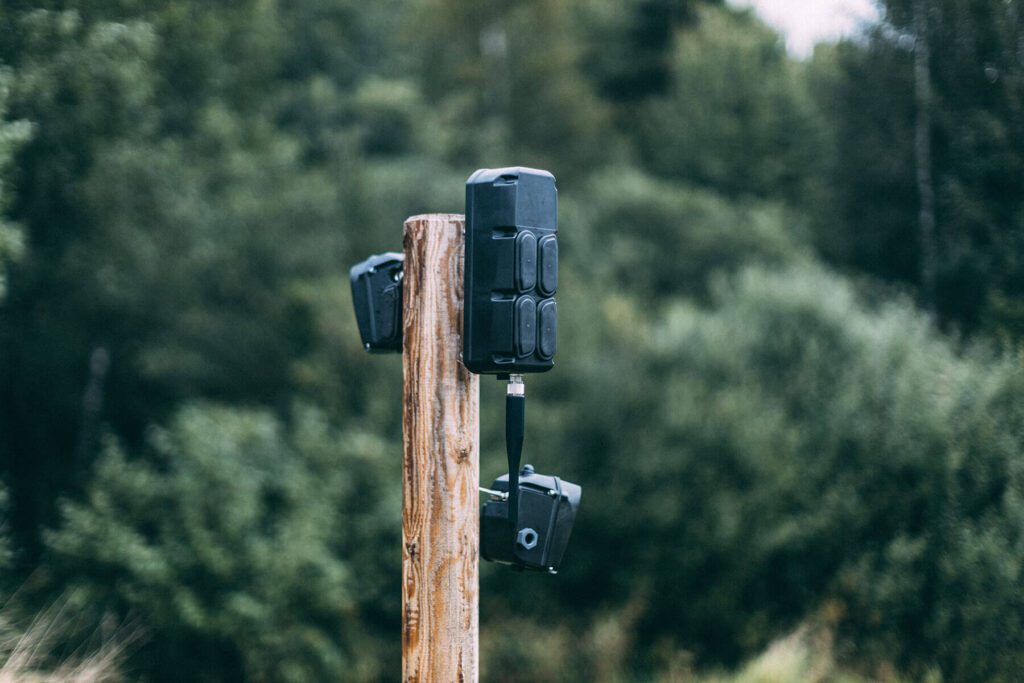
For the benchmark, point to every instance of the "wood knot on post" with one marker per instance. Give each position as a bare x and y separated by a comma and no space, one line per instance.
412,621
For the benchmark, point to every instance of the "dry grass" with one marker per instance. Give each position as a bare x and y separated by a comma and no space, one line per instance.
804,656
27,651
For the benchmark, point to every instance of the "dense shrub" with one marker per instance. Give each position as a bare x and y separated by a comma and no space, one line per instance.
243,545
802,450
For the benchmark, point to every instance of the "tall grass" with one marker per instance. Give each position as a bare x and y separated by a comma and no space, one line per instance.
32,651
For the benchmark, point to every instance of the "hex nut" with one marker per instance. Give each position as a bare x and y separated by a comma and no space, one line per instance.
527,538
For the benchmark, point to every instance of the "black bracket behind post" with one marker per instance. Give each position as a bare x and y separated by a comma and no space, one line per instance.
377,298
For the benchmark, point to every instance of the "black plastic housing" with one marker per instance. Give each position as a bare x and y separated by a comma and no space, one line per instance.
547,508
511,271
377,298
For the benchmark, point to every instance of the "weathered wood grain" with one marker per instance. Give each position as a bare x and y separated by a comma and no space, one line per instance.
441,426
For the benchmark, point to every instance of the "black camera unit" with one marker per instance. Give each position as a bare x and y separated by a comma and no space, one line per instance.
547,510
511,271
511,276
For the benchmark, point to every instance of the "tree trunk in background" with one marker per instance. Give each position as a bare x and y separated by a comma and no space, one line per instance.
92,404
923,155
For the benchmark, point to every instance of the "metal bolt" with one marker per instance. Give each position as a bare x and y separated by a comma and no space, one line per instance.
527,538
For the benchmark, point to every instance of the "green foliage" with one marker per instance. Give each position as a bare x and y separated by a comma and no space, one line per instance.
81,85
184,224
738,117
800,448
6,551
630,57
12,134
480,61
871,175
688,234
976,108
243,543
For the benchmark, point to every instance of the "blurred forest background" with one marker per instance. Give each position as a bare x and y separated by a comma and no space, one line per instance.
791,370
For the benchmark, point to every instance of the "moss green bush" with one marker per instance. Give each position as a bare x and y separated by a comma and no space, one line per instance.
245,542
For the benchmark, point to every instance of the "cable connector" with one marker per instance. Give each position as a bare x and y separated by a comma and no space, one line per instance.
494,493
515,386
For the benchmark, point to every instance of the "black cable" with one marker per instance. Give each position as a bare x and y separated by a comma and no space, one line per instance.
515,426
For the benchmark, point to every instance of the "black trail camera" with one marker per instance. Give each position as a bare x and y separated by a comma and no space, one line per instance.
377,297
547,510
511,271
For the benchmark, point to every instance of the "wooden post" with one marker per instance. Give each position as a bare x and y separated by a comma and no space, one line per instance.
441,469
